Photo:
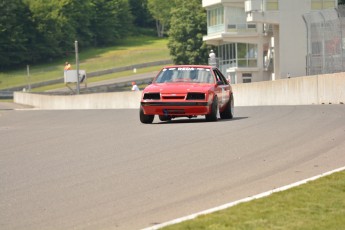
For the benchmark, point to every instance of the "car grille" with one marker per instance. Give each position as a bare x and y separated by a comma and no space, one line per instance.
196,96
173,97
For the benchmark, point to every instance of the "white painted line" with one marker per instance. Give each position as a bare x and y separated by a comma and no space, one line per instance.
228,205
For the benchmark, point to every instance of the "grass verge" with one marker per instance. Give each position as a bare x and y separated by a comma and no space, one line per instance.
317,205
130,51
6,100
101,78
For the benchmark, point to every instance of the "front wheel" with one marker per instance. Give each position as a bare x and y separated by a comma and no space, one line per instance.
146,119
212,116
228,112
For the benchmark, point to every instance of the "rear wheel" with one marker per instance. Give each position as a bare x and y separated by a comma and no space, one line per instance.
146,119
212,116
228,112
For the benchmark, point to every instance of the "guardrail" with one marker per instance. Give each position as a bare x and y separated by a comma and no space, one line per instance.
6,94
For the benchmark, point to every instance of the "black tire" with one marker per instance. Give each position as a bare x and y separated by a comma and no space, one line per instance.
212,116
228,112
146,119
164,118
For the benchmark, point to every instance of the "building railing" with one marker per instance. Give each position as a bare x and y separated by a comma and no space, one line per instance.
273,5
232,28
215,29
223,65
243,27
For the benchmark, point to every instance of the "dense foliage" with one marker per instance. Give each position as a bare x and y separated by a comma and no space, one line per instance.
161,11
188,25
36,31
33,31
16,32
141,14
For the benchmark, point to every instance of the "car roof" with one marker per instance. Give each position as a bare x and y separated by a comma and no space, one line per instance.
190,66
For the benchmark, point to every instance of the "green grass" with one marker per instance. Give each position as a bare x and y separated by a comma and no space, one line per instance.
6,100
100,78
317,205
130,51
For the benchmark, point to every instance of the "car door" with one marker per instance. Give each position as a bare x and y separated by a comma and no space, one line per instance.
222,88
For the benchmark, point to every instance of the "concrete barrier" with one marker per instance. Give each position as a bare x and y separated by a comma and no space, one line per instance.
120,100
321,89
331,88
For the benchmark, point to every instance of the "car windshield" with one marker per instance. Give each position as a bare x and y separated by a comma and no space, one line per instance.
185,74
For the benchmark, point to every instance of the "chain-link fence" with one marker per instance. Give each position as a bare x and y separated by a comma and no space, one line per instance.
326,41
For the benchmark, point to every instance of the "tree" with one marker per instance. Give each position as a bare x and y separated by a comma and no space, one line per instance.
15,33
111,20
161,12
78,16
141,15
55,33
188,25
38,30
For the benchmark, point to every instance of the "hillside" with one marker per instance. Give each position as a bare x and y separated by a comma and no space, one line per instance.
134,50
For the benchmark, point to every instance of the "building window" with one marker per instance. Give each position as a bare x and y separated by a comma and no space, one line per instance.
227,56
215,20
246,77
237,55
247,55
322,4
272,5
215,16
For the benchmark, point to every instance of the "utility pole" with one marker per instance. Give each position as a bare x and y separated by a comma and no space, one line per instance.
77,64
28,77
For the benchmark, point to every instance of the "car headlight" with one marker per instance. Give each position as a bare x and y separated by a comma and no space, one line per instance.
196,96
152,96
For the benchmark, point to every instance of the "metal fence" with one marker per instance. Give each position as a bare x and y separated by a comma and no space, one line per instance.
325,41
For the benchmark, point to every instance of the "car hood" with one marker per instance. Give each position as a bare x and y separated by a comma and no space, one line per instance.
178,87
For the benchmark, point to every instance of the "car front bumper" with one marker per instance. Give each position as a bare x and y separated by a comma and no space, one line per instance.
176,108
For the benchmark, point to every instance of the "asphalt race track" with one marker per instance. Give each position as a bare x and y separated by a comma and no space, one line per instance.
103,169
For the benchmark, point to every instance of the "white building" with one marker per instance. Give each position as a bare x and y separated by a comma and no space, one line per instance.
260,40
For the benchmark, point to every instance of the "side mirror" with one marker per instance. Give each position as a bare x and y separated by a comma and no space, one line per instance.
219,83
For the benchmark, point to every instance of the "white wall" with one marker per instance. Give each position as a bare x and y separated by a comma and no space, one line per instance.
322,89
122,100
309,90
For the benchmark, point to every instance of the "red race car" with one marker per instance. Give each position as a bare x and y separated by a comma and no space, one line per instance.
187,91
